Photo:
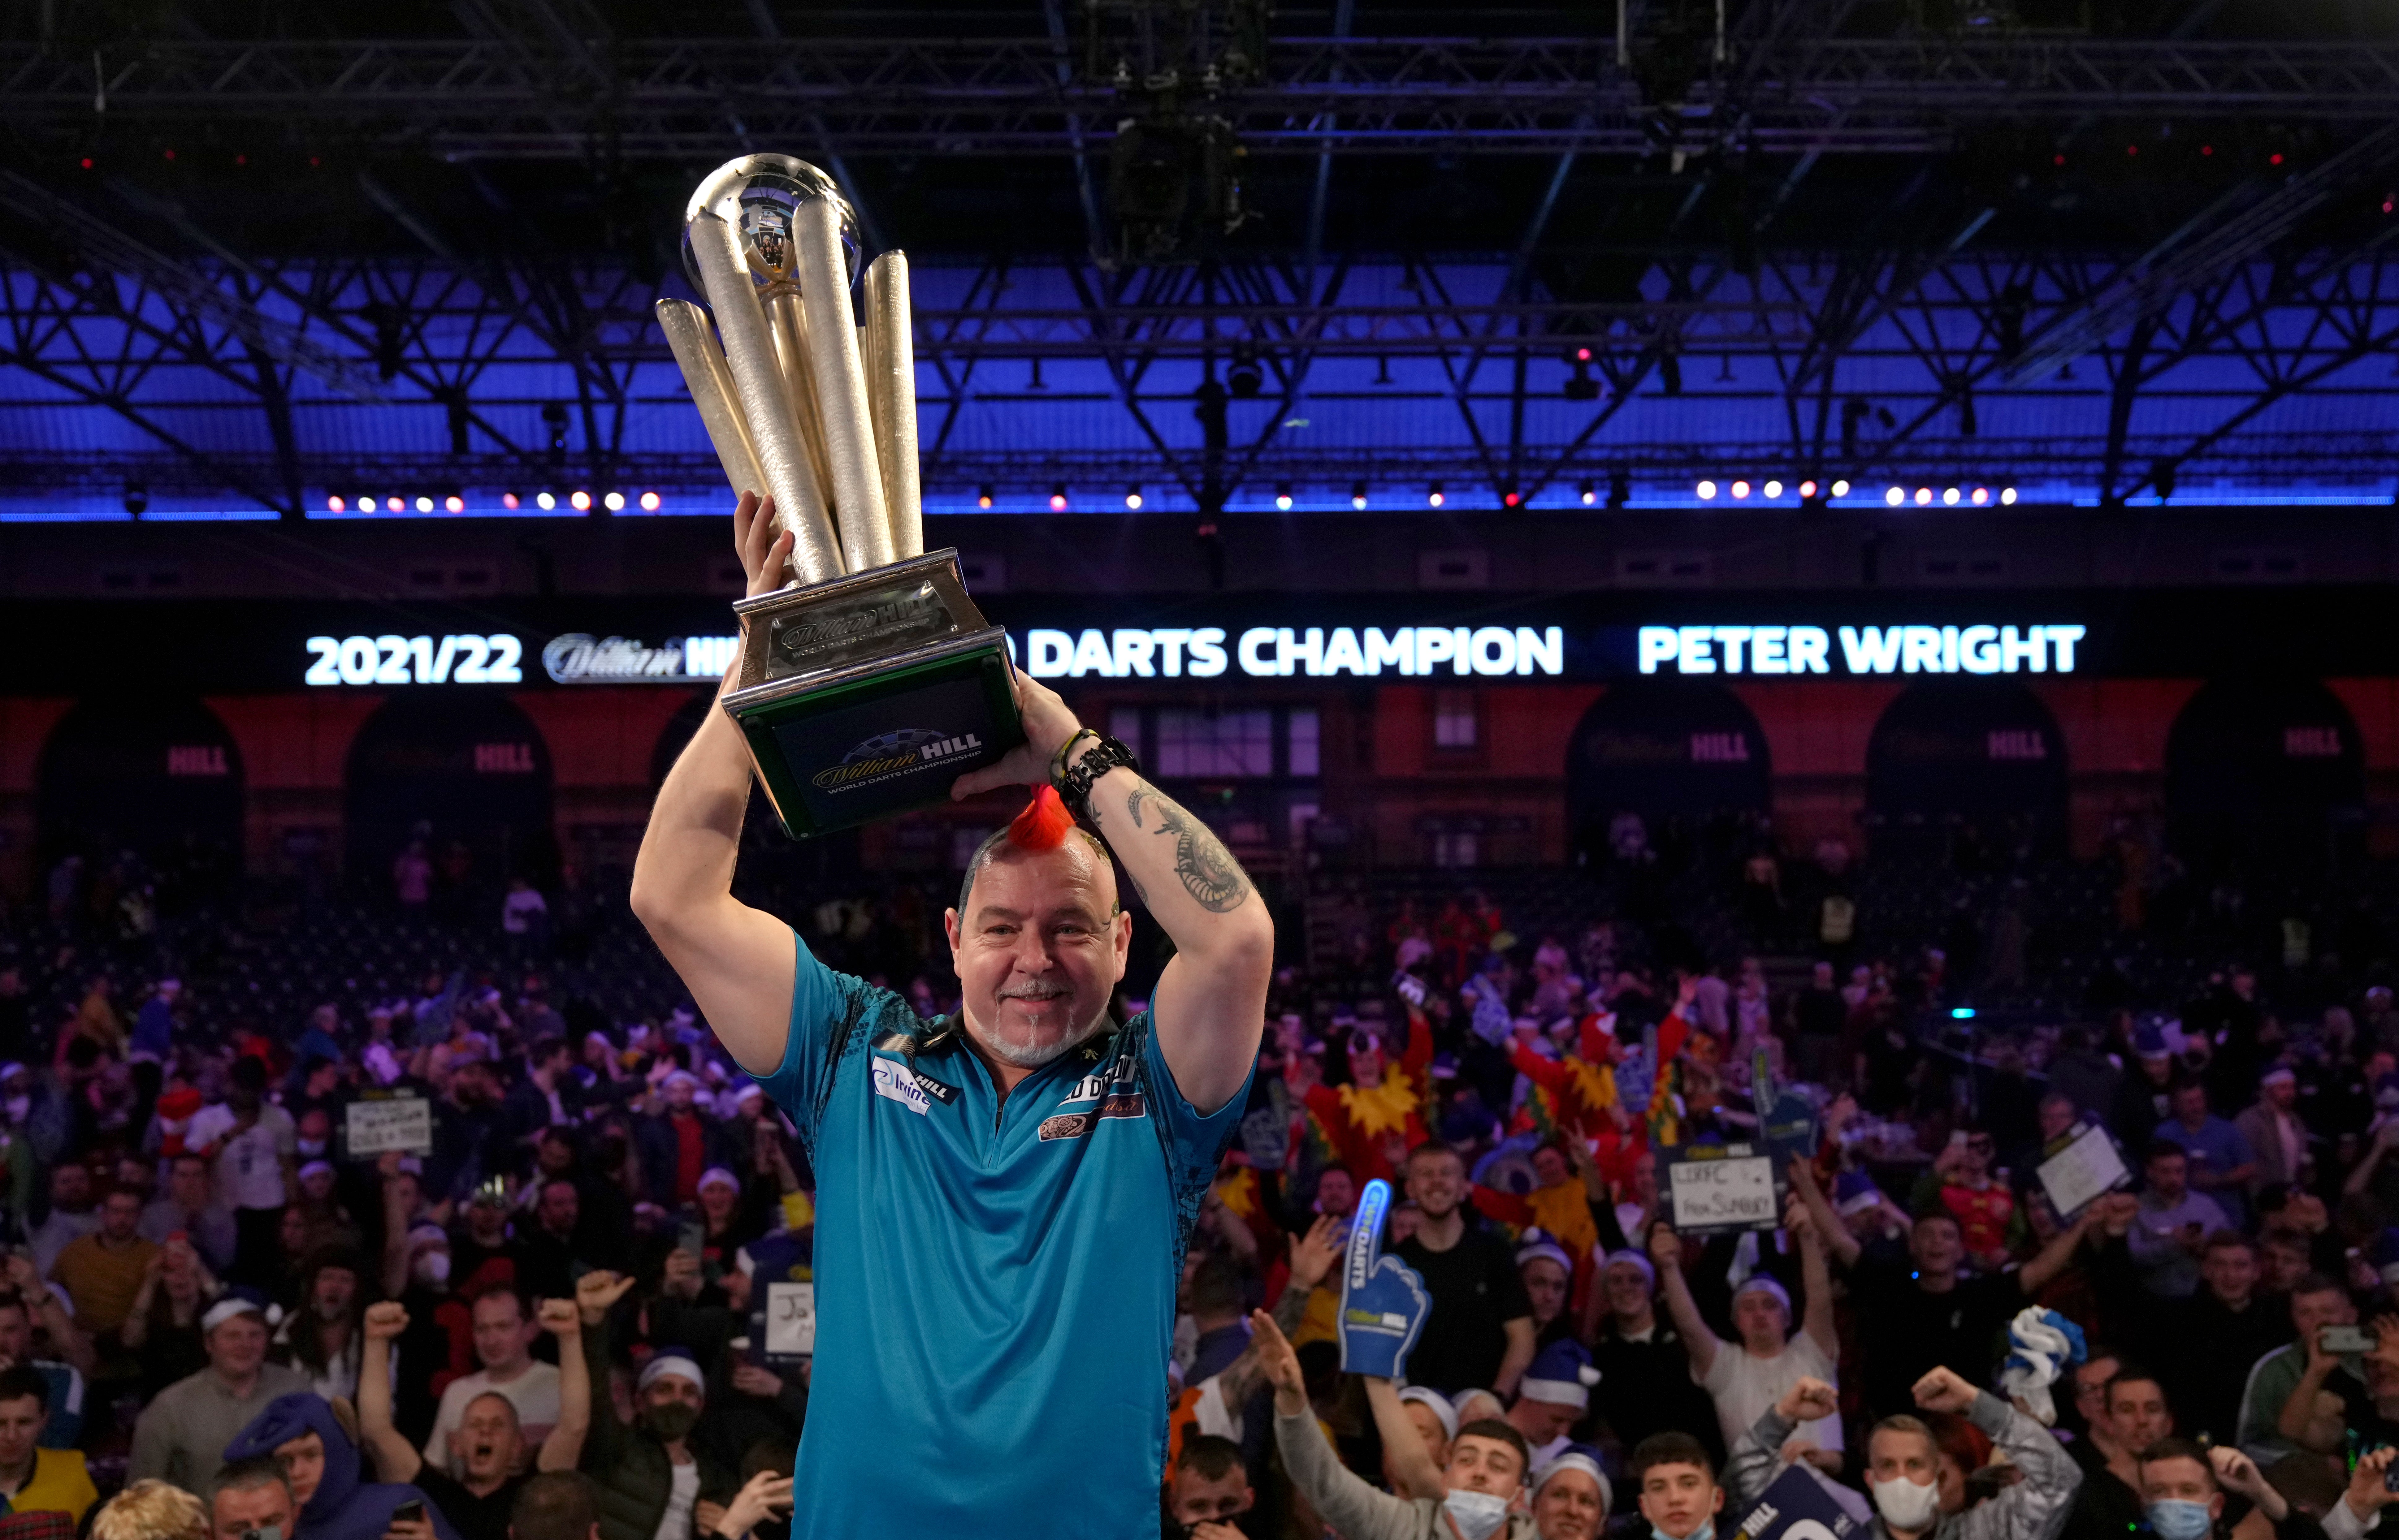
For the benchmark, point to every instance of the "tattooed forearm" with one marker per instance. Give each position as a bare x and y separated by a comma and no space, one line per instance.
1214,879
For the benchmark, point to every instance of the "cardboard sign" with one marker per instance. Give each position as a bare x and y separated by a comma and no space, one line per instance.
2079,1165
1795,1507
791,1322
1715,1189
401,1123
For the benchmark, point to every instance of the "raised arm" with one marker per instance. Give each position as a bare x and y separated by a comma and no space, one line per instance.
395,1459
1817,1280
1210,1006
1344,1501
737,960
1666,1250
563,1449
1839,1243
66,1337
1411,1462
2058,1255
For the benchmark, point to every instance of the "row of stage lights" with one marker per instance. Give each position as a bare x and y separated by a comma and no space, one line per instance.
1589,493
579,500
1895,496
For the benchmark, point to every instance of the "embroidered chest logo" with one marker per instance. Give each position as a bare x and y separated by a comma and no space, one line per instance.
1117,1092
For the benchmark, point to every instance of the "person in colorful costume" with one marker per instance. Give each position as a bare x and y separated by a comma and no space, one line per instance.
1372,1123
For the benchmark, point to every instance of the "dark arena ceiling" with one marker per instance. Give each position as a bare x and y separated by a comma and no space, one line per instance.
2115,250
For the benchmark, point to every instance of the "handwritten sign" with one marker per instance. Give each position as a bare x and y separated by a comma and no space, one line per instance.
401,1123
1796,1506
1716,1188
2079,1165
791,1322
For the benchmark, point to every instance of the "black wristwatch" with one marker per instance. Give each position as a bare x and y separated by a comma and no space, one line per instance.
1074,783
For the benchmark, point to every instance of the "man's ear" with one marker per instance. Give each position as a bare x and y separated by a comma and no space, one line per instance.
1719,1504
952,925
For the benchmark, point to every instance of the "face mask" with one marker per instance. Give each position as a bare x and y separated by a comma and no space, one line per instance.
2180,1519
673,1421
433,1268
1905,1505
312,1148
1705,1532
1477,1515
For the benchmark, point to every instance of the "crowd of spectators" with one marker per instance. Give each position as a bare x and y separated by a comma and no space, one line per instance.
549,1295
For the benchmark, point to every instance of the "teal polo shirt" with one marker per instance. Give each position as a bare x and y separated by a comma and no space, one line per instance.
995,1282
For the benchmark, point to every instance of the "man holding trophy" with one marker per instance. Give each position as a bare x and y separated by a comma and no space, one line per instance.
1004,1195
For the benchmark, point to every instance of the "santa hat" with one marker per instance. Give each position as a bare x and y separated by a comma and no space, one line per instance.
1760,1283
1444,1413
1536,1243
1577,1457
1561,1375
1631,1257
1854,1192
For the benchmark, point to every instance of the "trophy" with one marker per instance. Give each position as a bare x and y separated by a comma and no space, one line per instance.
873,682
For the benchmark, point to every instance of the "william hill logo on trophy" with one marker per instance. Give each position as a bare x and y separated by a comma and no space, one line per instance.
839,673
896,754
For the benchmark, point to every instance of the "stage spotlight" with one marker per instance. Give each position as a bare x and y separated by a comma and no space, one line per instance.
1772,489
1243,377
1707,491
1282,496
1949,496
508,501
545,501
1357,496
1982,495
2008,494
1923,496
1512,498
1741,488
1590,491
1132,498
1841,489
650,501
1807,489
982,497
1058,498
335,504
614,502
1434,497
396,504
1894,497
424,504
582,500
454,503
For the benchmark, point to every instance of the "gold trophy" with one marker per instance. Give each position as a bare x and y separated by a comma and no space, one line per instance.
873,682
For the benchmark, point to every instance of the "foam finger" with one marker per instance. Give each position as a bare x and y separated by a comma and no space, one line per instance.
1366,1232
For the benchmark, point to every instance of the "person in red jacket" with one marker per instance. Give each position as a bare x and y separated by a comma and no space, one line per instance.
1373,1122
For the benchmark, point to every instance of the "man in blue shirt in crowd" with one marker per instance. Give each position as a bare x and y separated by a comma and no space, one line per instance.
1004,1196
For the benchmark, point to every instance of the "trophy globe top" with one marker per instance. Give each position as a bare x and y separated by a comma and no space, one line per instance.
758,195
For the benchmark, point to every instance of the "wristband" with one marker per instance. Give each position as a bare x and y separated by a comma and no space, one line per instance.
1074,784
1057,760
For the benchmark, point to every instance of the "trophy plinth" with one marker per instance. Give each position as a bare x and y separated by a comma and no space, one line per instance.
867,695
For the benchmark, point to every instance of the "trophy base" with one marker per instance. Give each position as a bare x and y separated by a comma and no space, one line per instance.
868,695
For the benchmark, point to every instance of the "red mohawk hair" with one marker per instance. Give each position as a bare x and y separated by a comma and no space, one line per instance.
1043,824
